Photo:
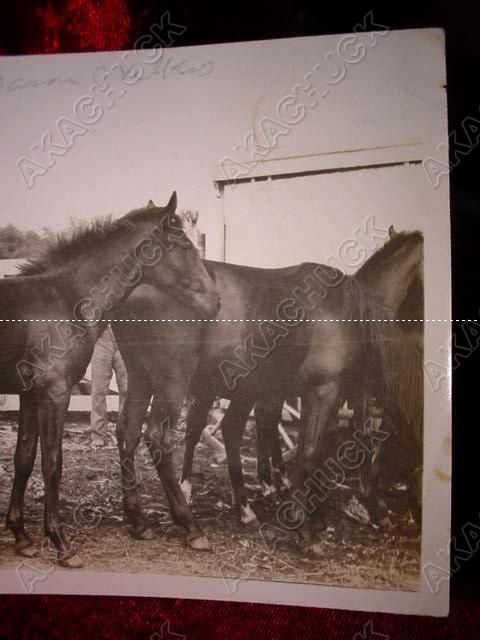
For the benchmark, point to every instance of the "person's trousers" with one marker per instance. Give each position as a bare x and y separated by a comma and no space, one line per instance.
106,360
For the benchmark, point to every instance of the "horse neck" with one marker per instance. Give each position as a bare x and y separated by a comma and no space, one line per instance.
391,281
412,307
102,279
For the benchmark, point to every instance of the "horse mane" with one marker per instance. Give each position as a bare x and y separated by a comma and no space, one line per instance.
388,355
87,236
404,385
389,249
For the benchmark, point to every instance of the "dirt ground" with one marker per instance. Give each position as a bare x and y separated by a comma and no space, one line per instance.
354,554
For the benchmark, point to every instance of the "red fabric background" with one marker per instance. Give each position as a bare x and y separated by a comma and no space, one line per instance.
104,618
89,25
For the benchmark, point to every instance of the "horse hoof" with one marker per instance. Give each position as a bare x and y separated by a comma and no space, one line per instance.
145,533
186,487
26,549
267,489
200,543
251,523
313,551
248,517
72,562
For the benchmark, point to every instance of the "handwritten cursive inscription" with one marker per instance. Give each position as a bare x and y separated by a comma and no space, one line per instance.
21,84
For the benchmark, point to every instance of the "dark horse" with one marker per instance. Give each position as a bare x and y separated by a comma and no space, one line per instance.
392,273
407,415
277,334
51,318
408,419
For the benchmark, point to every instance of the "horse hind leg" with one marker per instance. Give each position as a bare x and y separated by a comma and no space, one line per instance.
233,426
25,454
52,408
196,422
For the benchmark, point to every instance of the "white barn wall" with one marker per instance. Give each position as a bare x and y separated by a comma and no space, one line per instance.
274,223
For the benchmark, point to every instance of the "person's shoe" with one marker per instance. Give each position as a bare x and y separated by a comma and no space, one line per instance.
97,439
97,442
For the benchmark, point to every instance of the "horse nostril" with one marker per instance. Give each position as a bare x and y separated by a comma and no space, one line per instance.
219,304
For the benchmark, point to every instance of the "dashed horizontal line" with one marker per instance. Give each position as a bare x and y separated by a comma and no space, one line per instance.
239,320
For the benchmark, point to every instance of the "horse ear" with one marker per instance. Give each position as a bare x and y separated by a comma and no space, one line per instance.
150,204
391,232
172,203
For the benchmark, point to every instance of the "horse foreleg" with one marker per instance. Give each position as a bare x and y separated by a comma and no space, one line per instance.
129,430
312,481
268,414
163,417
319,403
52,407
370,471
196,423
24,460
368,477
264,467
233,426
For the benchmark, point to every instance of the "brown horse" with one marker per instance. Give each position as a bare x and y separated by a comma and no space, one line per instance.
408,418
278,333
410,314
51,318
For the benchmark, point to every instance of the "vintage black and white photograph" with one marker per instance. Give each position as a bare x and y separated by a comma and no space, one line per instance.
224,321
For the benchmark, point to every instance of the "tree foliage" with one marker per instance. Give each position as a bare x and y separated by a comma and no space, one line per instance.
15,243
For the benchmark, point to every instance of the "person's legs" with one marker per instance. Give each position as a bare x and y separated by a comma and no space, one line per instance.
121,378
101,376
